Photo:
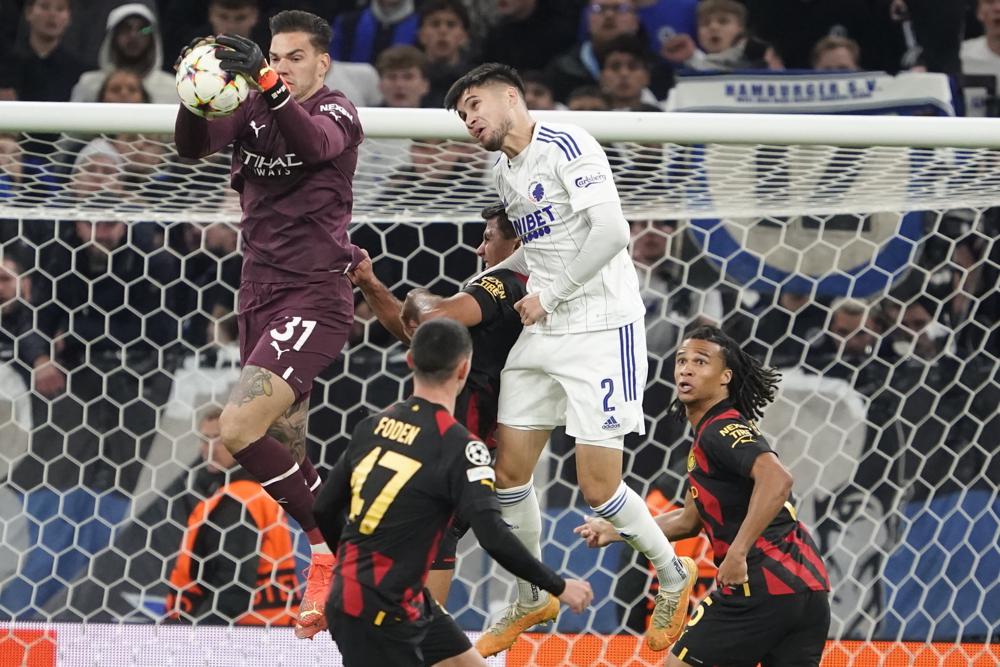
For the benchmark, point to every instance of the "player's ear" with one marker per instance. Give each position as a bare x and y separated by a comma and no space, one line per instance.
512,96
409,358
727,377
464,367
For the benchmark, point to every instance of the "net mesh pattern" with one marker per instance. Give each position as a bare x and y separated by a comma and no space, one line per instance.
132,176
869,277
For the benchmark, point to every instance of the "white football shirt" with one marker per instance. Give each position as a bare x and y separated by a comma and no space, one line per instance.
546,189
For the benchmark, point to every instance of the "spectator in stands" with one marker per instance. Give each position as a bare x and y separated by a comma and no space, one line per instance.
966,286
236,563
918,333
588,98
105,311
211,277
97,171
778,327
848,344
671,307
142,155
444,36
625,72
20,343
450,170
11,165
928,35
981,55
182,21
358,81
794,26
530,33
402,77
836,54
663,20
362,35
233,17
723,40
10,16
607,20
46,69
538,92
132,42
123,86
86,33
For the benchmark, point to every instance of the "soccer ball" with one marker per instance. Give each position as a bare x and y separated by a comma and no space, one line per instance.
205,88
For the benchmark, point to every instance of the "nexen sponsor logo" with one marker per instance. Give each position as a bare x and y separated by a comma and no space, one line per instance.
535,224
336,111
587,181
263,165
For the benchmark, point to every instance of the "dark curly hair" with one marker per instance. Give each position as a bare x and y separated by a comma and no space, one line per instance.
753,385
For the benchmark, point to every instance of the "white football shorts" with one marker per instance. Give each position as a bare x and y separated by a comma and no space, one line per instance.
591,382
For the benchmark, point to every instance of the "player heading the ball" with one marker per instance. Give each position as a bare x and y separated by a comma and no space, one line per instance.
295,148
581,359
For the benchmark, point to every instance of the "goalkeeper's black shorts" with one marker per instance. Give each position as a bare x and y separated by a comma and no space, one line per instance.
770,630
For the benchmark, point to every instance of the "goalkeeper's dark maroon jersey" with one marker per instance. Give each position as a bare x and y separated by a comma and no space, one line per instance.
293,168
784,559
496,293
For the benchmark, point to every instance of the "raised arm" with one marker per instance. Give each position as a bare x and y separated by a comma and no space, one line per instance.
319,138
193,135
421,305
384,304
197,137
313,139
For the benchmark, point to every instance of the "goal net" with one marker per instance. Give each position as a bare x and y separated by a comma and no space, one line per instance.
859,256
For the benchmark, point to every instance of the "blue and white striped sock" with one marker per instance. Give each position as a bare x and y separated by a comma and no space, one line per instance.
519,508
628,514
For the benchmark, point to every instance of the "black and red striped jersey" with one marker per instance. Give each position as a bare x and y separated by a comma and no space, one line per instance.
406,471
784,559
496,293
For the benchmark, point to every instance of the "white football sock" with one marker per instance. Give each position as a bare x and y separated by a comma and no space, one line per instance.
631,518
519,508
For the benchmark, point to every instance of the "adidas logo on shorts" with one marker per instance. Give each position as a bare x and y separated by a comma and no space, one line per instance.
611,424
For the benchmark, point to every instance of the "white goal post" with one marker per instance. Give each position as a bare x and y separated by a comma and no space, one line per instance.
858,254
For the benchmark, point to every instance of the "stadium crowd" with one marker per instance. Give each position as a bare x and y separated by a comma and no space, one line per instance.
104,323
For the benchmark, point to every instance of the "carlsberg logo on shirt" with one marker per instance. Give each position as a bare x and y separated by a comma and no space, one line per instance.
587,181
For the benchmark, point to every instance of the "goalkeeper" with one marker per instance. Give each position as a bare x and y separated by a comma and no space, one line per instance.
295,148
